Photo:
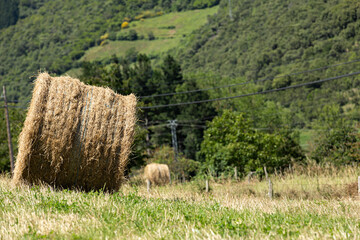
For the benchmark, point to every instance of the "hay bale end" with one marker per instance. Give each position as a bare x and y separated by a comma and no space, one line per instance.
75,135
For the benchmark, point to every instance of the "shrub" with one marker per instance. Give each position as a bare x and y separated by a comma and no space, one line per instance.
125,25
151,36
112,36
337,140
103,43
127,36
132,35
104,37
231,141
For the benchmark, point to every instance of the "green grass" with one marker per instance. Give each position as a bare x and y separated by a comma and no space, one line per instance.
182,211
306,137
184,23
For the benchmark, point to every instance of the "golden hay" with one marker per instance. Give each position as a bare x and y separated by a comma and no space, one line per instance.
157,173
75,135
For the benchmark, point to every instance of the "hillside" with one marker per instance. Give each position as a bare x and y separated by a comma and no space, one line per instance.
167,30
270,39
53,35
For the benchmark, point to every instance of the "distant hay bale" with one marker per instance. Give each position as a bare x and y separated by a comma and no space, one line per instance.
157,174
75,135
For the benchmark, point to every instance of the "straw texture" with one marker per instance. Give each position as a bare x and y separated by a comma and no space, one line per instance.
75,135
157,174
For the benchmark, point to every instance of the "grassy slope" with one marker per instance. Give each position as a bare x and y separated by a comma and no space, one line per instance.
230,211
184,22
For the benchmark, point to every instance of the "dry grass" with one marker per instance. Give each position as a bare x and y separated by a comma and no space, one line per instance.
231,210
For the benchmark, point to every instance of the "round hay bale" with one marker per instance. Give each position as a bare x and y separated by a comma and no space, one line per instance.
157,174
75,135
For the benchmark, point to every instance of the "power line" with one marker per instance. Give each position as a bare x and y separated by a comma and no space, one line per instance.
248,82
252,94
205,119
21,107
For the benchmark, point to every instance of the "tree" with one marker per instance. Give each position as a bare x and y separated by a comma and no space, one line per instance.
9,12
337,138
231,141
192,117
141,75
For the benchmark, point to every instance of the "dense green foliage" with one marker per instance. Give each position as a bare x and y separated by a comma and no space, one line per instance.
267,39
9,12
336,142
231,141
52,35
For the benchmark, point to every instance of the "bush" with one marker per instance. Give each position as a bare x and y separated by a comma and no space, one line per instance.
130,35
230,141
337,140
112,36
151,36
104,37
124,25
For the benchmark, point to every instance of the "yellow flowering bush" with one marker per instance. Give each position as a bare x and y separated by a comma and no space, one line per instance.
104,37
125,25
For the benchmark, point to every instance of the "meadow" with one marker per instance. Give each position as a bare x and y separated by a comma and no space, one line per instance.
168,29
309,203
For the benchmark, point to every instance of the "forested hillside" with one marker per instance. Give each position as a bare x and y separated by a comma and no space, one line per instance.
265,40
52,35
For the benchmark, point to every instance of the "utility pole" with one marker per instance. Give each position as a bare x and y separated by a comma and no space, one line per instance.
8,131
173,124
230,12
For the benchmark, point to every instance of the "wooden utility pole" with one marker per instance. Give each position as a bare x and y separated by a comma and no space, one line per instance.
173,124
8,131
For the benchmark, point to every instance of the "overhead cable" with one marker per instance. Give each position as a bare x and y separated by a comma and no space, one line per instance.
248,82
252,94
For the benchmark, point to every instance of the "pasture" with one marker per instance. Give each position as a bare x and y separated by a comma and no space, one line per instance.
168,29
316,203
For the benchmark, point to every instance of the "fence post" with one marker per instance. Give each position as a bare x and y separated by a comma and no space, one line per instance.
148,185
236,173
8,132
359,185
270,189
206,185
270,194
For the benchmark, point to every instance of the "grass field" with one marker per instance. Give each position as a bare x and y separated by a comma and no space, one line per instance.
168,30
323,206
